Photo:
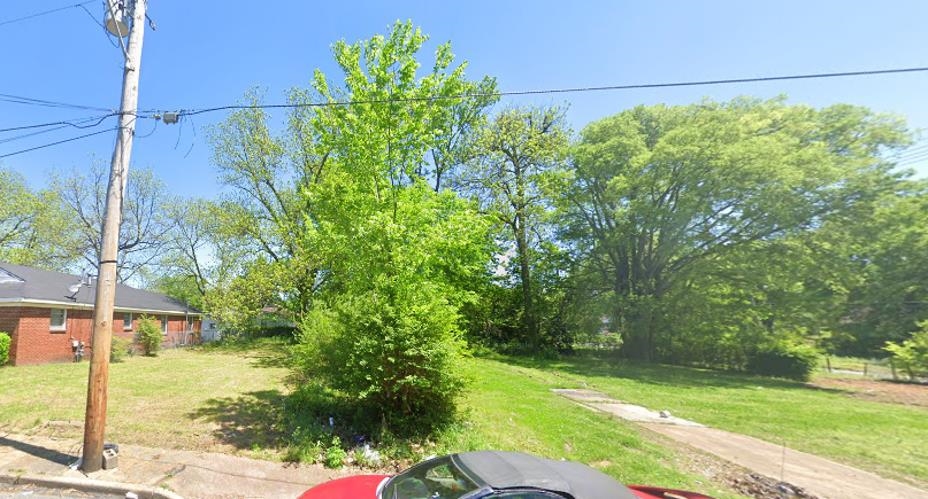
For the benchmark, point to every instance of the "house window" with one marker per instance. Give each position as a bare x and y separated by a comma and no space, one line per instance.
164,324
59,319
127,321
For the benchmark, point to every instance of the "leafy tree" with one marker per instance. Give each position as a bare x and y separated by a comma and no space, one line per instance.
373,258
912,354
510,157
34,231
657,193
144,226
888,249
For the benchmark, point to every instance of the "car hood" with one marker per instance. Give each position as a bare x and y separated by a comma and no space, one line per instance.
352,487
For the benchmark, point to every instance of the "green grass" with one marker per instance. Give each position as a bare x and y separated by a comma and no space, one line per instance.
885,438
174,400
231,399
513,408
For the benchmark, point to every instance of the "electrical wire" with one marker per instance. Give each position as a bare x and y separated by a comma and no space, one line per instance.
843,74
106,32
43,13
912,150
31,134
74,123
43,146
18,99
915,158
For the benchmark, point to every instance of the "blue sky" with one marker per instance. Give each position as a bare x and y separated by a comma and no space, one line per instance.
207,53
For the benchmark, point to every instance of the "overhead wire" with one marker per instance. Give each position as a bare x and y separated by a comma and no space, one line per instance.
31,101
72,139
391,99
73,123
46,12
842,74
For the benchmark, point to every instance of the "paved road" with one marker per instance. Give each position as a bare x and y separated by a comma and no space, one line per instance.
816,475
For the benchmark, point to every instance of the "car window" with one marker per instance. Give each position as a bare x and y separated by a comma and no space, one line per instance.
434,479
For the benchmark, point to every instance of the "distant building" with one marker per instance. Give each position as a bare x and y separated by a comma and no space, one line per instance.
46,312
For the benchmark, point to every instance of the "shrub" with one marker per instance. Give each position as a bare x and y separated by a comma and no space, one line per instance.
912,354
149,336
394,353
784,360
119,349
4,347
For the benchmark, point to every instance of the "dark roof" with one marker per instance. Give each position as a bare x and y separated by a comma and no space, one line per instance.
27,284
503,470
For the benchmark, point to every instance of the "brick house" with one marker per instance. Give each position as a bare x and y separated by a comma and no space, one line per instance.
44,312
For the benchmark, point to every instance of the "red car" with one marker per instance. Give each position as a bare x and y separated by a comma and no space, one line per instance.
490,474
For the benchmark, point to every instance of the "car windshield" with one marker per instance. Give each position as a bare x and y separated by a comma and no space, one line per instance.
434,479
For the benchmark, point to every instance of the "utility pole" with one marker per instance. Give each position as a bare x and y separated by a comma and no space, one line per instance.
95,419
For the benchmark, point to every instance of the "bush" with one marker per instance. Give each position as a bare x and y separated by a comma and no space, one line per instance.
394,354
784,360
5,342
912,354
119,349
149,336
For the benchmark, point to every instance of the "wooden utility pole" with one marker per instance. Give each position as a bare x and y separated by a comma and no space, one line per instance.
95,419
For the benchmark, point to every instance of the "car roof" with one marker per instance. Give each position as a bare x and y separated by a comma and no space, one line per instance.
505,470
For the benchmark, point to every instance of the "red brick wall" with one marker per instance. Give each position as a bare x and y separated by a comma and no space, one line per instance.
35,342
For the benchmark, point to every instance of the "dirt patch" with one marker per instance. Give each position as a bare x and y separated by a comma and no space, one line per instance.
878,390
732,476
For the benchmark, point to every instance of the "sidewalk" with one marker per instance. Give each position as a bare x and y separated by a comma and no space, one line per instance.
168,474
817,475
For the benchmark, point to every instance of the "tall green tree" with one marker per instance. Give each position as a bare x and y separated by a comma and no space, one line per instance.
34,230
888,250
655,192
347,211
511,156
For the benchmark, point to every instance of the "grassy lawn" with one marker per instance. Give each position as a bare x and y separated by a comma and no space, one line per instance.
888,439
513,408
231,400
179,399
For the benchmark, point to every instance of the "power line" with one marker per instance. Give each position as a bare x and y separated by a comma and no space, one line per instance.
74,123
912,150
915,158
843,74
81,123
18,99
58,142
43,13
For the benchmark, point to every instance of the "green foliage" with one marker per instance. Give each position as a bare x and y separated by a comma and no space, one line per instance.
5,342
704,208
34,228
783,359
149,336
335,456
372,261
912,354
120,348
511,156
888,252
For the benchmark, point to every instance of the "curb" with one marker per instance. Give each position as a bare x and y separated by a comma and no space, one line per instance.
90,485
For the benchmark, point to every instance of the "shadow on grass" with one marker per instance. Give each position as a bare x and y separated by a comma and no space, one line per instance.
264,352
38,451
254,419
590,364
